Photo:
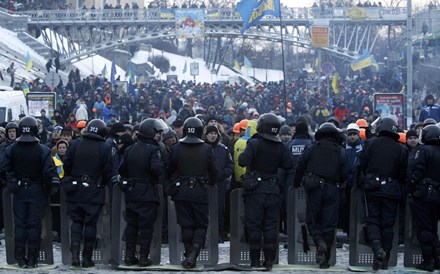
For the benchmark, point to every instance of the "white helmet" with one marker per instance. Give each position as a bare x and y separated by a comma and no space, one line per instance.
353,126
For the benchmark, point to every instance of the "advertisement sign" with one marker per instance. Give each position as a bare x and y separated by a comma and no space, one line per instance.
190,23
320,36
390,105
194,68
41,100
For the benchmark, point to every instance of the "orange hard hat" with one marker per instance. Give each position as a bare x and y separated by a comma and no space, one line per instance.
402,137
362,123
362,133
94,110
81,124
244,123
236,128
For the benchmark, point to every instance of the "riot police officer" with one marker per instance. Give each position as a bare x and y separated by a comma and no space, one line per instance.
425,206
140,169
322,177
30,173
382,166
190,167
264,154
87,169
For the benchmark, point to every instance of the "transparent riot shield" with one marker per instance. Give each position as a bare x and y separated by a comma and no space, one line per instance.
360,250
46,251
119,224
302,249
101,252
209,254
239,248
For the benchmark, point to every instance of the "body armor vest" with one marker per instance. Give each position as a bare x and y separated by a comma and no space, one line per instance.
325,160
27,161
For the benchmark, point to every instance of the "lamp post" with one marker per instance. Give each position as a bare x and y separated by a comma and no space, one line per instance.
267,65
409,64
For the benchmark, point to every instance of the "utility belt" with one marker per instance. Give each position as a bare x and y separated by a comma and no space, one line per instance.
251,180
373,181
132,182
192,182
14,184
86,180
427,187
311,181
28,181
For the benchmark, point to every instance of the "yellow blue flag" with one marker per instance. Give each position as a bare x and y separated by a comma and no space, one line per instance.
364,61
247,63
251,11
236,64
113,72
29,63
104,71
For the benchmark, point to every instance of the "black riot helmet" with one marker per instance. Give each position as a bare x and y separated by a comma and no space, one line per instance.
268,126
28,130
431,135
11,125
387,126
192,131
149,127
429,121
329,130
96,129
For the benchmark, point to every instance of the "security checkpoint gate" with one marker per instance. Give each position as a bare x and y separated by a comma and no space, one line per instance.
209,253
412,254
239,248
46,250
101,252
302,249
360,250
119,223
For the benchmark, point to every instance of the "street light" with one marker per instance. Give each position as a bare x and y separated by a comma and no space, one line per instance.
267,65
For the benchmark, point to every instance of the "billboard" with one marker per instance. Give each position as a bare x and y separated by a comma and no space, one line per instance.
390,105
41,100
190,23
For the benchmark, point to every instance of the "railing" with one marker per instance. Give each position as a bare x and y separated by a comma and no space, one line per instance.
167,15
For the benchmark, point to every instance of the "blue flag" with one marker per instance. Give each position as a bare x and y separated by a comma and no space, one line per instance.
251,11
247,63
113,72
104,71
185,68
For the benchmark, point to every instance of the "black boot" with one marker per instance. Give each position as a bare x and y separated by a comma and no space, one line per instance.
191,260
329,240
20,256
379,257
33,255
143,257
385,261
87,257
130,254
428,262
437,259
254,256
321,250
74,249
269,257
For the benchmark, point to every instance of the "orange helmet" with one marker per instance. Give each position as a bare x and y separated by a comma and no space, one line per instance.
94,110
81,124
243,124
236,128
402,137
362,123
362,133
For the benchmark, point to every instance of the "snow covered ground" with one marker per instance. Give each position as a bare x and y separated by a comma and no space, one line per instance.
341,262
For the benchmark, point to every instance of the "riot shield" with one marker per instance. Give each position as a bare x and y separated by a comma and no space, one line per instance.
412,254
101,252
239,248
119,224
302,249
46,251
360,250
209,253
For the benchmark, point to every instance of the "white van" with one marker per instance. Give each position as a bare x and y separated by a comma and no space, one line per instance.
12,104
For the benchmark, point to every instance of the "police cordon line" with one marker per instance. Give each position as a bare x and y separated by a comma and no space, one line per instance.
377,186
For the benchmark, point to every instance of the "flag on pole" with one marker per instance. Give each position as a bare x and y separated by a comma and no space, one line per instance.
131,74
29,63
251,11
113,72
104,71
236,64
185,67
247,63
